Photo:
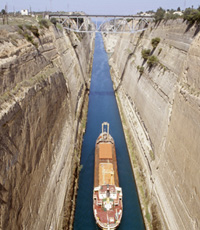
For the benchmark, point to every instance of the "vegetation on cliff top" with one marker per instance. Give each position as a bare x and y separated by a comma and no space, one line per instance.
34,29
27,31
44,23
190,14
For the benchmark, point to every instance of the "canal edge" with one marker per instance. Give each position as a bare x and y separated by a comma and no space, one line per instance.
137,173
69,207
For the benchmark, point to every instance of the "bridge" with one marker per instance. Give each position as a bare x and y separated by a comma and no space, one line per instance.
82,23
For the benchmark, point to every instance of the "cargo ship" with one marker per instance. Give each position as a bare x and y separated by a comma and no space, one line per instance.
107,195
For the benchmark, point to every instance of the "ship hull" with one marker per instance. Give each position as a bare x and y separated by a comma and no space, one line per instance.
107,195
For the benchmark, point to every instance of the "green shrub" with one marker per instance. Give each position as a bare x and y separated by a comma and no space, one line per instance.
145,53
53,21
28,37
141,70
129,20
152,61
34,30
59,26
159,51
155,42
44,22
152,155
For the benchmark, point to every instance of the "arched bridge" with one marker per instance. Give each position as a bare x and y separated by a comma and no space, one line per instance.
103,23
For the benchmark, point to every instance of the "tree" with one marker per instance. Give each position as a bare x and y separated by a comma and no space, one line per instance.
159,15
152,61
191,15
3,12
150,12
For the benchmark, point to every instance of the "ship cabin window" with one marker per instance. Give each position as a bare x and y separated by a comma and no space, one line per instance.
102,195
113,195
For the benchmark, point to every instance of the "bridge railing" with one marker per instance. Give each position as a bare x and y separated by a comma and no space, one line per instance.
103,23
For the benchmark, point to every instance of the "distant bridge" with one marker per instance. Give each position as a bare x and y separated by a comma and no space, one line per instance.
103,23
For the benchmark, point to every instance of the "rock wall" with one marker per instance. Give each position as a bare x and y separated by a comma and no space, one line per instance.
43,102
161,109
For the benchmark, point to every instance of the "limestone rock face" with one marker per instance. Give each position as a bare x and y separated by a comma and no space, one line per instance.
43,92
161,106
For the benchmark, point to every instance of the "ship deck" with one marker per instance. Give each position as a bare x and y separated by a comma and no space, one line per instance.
112,216
108,208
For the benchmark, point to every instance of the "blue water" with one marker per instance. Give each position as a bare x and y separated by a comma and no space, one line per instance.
103,107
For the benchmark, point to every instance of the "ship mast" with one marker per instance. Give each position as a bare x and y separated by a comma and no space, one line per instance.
105,128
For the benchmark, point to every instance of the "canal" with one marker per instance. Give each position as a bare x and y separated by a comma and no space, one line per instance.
103,107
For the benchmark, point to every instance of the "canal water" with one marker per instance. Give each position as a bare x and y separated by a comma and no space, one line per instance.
103,107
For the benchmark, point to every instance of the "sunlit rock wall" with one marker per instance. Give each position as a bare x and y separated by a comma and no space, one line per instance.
43,95
162,111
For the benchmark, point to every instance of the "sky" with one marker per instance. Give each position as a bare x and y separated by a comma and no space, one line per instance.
120,7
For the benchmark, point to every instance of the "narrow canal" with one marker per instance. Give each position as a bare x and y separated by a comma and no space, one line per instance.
103,107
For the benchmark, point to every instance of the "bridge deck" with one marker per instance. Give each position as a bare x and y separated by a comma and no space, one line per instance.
85,23
98,16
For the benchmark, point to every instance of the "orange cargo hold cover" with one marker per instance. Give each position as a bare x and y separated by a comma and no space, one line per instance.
105,151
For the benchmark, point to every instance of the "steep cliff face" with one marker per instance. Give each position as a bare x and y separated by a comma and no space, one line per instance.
161,107
43,95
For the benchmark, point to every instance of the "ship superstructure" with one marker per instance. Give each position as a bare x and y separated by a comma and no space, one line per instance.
107,195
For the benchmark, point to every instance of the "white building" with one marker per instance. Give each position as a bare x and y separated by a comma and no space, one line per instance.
178,12
24,12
